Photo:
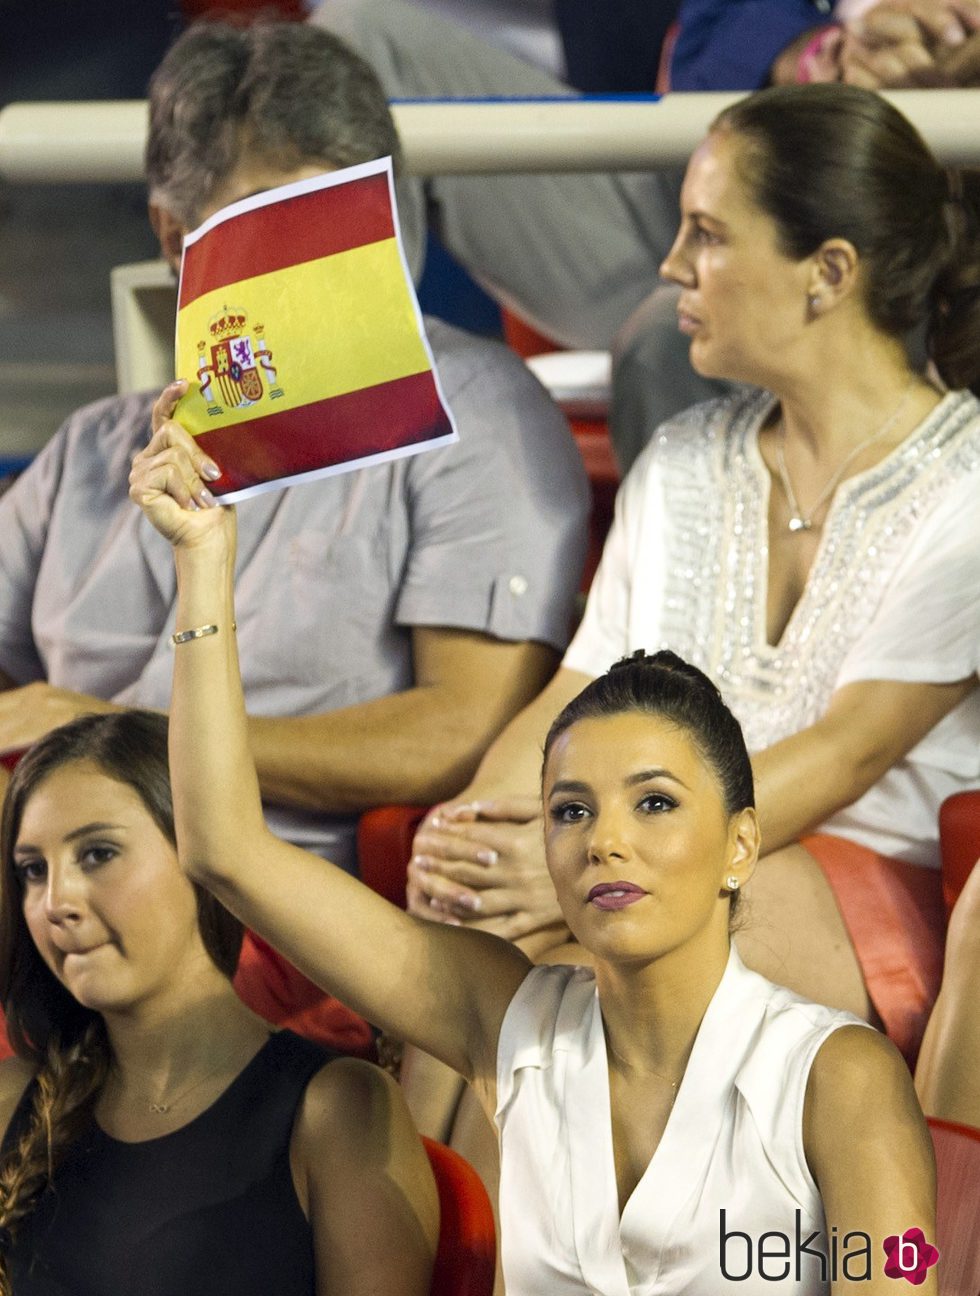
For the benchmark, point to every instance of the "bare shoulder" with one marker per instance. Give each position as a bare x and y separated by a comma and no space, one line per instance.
356,1112
15,1076
861,1101
354,1141
853,1064
344,1097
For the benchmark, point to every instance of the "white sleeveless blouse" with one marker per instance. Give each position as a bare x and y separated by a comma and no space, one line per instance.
733,1141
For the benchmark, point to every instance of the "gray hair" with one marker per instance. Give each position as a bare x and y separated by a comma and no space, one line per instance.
289,91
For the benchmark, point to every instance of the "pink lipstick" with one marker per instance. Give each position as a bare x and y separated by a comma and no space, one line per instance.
614,895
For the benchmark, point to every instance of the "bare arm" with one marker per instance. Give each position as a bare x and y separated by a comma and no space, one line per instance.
868,727
446,994
417,746
513,764
869,1150
364,1179
29,711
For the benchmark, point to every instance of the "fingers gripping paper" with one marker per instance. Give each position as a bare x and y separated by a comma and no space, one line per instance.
301,337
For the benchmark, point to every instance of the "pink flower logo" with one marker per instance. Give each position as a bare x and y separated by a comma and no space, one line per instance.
909,1256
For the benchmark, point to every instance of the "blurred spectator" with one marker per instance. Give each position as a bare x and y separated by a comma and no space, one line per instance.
745,44
614,46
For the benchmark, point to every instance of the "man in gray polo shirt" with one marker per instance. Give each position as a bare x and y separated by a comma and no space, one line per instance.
390,620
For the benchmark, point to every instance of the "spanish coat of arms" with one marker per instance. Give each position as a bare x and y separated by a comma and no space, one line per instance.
230,364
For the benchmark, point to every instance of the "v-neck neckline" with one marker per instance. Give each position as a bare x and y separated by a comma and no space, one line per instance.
678,1164
840,497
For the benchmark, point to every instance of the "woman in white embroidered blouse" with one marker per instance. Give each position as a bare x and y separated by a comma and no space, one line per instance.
813,546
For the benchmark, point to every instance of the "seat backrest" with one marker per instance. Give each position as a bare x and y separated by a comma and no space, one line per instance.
466,1259
958,1206
384,847
959,841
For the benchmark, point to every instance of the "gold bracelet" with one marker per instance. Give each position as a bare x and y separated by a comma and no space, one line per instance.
201,632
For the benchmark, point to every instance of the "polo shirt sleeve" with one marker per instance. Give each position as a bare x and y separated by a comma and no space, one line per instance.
499,521
732,44
25,513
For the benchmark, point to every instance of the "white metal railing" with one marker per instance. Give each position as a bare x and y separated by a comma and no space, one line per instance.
104,141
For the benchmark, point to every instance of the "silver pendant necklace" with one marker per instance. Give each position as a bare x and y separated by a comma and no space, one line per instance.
800,521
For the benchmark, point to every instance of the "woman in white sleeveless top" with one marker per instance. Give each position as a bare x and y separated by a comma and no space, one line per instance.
636,1104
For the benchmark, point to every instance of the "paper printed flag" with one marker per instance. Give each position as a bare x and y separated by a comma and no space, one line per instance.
300,334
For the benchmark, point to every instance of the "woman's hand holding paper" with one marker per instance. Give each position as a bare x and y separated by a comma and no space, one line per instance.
169,481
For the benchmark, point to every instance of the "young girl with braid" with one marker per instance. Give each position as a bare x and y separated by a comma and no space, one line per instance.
160,1139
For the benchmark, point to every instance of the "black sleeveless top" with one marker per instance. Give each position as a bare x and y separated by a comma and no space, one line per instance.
209,1210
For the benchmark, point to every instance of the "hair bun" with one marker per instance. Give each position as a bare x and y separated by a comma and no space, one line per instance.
954,327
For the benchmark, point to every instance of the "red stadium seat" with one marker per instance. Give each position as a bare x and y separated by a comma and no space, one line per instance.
959,842
384,847
280,994
958,1206
466,1258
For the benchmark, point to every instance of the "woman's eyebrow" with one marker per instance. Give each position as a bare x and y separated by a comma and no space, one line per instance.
91,828
644,776
568,785
84,830
699,214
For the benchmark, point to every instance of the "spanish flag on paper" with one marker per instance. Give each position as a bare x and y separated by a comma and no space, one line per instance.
300,334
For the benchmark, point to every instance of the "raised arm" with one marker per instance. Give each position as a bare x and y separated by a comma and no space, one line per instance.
444,993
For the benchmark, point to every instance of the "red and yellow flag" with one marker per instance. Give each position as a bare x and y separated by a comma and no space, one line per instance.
300,334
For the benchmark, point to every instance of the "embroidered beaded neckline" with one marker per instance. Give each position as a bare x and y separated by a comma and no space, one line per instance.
800,521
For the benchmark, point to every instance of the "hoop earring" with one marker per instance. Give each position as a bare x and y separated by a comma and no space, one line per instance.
732,882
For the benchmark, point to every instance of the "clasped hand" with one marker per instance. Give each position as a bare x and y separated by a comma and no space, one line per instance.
913,43
482,863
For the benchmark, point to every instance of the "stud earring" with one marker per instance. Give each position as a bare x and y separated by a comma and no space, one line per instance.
813,302
732,882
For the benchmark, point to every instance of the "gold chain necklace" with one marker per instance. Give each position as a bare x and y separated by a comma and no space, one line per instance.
162,1108
800,521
